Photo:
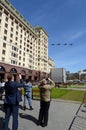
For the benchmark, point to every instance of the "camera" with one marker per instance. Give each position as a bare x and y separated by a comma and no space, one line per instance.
46,78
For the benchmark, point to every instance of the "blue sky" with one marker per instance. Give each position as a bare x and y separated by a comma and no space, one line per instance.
65,22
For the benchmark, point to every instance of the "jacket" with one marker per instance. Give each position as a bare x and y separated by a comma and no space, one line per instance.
28,87
45,91
12,94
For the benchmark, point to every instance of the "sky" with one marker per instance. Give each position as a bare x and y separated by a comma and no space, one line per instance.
65,23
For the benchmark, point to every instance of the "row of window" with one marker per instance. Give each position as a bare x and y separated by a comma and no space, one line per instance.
16,36
15,49
22,36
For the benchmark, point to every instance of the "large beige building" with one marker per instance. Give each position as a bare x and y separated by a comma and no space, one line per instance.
23,48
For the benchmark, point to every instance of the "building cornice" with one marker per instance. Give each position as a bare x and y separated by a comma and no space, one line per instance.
40,28
16,13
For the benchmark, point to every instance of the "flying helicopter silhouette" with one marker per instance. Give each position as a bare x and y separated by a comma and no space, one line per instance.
58,44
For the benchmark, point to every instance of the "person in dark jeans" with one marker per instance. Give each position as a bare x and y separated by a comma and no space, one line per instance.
45,87
11,101
28,94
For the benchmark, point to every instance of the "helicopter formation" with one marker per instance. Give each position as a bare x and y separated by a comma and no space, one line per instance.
58,44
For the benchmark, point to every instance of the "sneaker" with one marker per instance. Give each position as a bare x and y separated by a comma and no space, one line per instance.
24,108
43,125
39,123
31,108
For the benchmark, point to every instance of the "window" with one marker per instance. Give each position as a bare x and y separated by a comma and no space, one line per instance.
27,45
17,27
23,64
20,46
24,43
4,45
14,48
11,35
20,41
0,20
19,52
24,48
19,63
25,33
3,59
30,51
30,66
14,55
16,38
5,38
0,14
15,43
24,54
27,50
6,25
30,47
30,61
19,57
11,41
5,31
21,30
13,62
30,56
3,52
11,29
21,36
12,23
6,19
23,59
16,33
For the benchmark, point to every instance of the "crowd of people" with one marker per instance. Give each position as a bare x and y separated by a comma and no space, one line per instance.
13,96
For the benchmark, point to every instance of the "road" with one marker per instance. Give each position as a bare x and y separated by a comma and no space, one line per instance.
61,114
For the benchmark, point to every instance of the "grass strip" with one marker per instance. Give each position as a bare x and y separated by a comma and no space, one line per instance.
65,94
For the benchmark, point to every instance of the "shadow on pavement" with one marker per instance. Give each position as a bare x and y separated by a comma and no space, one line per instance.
28,117
2,107
1,123
21,107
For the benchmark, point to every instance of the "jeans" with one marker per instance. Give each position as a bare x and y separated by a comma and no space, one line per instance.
44,112
11,109
28,97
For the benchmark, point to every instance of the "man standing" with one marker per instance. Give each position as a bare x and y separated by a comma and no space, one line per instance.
45,87
11,101
28,94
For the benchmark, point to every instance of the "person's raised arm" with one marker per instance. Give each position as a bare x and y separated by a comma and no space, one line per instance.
52,82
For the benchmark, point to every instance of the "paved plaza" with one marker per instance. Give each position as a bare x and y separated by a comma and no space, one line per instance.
61,115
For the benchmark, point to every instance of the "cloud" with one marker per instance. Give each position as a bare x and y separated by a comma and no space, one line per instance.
76,35
71,63
75,2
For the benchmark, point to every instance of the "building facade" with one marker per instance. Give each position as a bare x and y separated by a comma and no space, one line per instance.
23,48
82,74
51,64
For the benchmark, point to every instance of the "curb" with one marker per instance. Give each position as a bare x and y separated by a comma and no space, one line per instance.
68,101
